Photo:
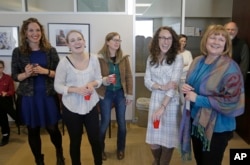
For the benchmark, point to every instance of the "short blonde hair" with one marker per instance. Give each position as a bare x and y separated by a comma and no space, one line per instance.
216,30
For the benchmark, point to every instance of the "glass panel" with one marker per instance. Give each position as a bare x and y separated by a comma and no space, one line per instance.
11,5
50,5
101,5
150,15
142,39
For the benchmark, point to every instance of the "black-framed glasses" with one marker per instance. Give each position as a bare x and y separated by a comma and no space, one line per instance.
165,38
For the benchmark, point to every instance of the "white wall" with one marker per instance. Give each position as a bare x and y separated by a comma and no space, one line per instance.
100,25
209,8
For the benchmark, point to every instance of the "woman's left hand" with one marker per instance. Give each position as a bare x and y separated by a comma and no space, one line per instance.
157,114
191,96
128,101
37,69
90,88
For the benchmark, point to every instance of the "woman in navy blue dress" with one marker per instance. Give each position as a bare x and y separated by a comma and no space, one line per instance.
33,66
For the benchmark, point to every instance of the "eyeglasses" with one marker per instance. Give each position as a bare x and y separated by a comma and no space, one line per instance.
116,40
165,39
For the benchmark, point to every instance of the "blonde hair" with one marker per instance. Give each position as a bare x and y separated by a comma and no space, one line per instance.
216,30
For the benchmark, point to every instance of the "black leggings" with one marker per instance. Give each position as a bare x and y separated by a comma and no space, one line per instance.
218,145
34,138
74,123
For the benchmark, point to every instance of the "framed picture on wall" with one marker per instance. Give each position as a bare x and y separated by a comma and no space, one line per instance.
57,35
8,39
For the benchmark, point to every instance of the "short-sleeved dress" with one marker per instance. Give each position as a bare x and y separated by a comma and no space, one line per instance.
40,109
167,134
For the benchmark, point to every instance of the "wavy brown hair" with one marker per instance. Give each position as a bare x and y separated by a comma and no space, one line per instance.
155,49
105,50
24,45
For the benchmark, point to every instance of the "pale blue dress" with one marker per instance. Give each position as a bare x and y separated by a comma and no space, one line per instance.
167,134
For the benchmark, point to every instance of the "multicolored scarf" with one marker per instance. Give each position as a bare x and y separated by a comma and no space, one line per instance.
224,87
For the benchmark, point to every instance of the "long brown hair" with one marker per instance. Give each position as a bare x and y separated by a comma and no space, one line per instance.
24,45
155,49
105,50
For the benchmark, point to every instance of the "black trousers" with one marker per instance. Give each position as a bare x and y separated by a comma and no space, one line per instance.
74,123
218,145
5,105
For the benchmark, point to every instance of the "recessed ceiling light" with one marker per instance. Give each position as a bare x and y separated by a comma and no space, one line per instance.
143,4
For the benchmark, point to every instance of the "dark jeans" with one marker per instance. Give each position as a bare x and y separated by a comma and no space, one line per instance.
218,145
74,123
116,98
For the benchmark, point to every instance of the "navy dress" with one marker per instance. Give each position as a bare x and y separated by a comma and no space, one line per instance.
39,110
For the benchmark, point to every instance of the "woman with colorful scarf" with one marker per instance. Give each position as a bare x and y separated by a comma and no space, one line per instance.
214,96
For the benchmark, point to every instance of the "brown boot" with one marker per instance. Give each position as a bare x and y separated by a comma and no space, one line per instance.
157,156
166,155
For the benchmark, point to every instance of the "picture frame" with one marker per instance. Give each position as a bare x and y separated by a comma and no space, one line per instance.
58,31
9,39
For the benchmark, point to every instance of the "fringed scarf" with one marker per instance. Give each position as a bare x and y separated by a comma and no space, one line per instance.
224,87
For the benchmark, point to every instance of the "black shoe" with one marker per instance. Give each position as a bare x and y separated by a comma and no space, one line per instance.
5,140
120,155
40,160
104,156
60,160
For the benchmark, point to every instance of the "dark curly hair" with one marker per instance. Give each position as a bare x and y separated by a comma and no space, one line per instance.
155,49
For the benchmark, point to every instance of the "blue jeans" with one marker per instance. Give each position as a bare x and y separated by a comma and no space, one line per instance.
116,98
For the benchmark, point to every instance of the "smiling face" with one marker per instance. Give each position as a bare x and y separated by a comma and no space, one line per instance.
76,42
215,44
165,41
114,43
33,33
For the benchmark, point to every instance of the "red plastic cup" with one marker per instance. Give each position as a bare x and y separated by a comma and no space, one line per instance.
87,97
156,124
113,78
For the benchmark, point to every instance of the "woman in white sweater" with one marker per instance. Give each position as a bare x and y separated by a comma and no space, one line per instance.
78,75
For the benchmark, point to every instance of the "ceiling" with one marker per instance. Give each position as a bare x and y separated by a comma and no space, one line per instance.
159,8
142,9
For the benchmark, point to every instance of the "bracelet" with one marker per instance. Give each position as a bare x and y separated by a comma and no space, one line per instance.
48,72
163,105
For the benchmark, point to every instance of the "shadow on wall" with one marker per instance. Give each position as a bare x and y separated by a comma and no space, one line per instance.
142,52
